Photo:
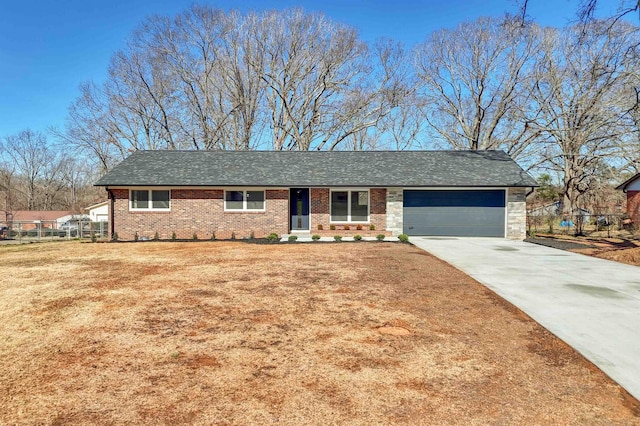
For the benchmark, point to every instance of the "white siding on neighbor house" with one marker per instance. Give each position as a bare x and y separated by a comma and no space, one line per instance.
634,186
99,212
61,220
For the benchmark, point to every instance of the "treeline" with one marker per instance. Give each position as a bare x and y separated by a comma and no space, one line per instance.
563,101
36,175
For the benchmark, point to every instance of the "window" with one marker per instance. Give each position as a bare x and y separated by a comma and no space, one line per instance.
244,200
349,206
150,199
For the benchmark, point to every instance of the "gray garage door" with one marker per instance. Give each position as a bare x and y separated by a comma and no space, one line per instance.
464,213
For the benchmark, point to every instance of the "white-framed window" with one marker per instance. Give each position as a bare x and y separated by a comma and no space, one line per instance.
150,199
349,205
244,200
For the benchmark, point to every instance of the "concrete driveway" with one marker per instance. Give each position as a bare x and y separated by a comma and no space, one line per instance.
592,304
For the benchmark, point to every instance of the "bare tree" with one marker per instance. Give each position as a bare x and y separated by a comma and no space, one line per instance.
7,183
582,110
586,10
208,79
309,63
384,89
89,130
476,82
29,153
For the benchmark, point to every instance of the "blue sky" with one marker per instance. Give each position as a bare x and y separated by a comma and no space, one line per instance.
47,48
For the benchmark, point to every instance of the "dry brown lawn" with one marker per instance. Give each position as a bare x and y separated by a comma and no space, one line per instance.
236,333
623,250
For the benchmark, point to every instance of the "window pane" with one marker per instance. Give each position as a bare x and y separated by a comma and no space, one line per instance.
255,200
339,206
359,206
140,199
234,200
160,199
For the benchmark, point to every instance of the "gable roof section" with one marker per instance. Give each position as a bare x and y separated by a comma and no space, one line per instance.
624,185
95,206
32,215
318,168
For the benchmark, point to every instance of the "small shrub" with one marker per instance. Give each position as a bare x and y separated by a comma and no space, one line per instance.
194,237
293,238
93,237
114,237
320,228
233,235
380,237
357,237
403,238
332,227
273,237
347,227
372,227
337,238
173,236
315,237
252,235
136,237
359,227
213,236
156,237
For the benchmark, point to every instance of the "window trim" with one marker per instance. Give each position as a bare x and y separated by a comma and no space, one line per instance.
349,191
244,191
150,208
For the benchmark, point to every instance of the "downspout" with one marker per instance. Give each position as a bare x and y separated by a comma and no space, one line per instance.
112,225
530,192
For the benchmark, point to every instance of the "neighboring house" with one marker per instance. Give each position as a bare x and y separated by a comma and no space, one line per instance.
444,193
632,188
555,209
31,219
99,212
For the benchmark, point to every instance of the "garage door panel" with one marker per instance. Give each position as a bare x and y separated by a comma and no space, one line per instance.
454,213
484,198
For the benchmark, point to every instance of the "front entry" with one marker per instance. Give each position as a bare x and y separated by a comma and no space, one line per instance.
299,209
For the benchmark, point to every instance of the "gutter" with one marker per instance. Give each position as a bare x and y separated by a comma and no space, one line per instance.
112,199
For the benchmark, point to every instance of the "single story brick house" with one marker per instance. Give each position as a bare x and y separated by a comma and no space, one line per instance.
632,188
243,193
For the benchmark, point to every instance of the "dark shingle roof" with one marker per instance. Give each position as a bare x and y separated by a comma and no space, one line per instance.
318,168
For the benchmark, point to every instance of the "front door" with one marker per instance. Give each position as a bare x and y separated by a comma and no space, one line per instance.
299,208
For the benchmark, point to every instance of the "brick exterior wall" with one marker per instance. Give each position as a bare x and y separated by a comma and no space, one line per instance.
201,211
320,211
633,207
516,213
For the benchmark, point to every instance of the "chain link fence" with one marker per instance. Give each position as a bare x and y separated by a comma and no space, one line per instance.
52,230
579,224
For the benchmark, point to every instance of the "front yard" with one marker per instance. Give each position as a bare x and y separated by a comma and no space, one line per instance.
237,333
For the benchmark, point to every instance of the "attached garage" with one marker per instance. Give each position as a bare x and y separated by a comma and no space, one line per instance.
458,213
